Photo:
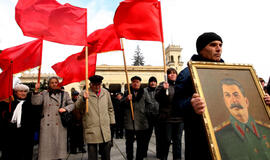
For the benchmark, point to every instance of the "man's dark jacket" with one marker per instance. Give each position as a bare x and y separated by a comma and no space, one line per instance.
141,104
196,144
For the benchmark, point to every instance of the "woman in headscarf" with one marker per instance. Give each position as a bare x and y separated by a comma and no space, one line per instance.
53,135
17,126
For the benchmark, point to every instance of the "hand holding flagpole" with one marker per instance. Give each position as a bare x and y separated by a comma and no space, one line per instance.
86,78
144,13
163,49
129,92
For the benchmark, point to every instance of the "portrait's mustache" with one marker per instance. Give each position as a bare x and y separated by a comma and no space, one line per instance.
236,106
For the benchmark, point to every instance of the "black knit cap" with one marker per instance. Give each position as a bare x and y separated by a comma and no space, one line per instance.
151,79
96,79
136,78
205,39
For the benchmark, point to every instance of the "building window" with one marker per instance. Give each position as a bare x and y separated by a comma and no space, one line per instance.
172,60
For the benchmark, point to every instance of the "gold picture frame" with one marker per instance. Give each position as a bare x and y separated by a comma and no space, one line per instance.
221,116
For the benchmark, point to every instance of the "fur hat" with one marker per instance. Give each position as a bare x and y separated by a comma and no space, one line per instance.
205,39
21,87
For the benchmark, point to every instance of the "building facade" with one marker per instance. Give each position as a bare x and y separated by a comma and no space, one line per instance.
114,76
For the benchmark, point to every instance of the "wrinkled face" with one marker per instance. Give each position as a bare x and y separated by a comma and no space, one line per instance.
136,84
21,94
212,51
95,86
172,76
53,84
236,103
153,84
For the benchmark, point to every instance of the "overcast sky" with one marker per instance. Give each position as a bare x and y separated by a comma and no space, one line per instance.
243,25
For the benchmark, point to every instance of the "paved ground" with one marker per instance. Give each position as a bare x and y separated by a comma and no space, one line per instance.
118,151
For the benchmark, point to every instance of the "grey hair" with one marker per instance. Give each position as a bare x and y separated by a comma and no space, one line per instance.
53,77
21,87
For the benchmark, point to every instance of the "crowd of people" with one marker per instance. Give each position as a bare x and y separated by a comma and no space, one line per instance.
167,109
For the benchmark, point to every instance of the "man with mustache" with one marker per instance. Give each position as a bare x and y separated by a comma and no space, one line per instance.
241,137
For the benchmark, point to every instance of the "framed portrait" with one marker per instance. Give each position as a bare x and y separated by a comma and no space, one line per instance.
237,120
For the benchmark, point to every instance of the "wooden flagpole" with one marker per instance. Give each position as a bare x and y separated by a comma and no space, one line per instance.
86,66
165,67
10,98
163,49
39,69
86,77
129,92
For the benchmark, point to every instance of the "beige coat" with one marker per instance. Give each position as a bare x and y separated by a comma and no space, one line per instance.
96,122
53,136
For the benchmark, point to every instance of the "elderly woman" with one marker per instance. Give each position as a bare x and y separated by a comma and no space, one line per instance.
53,136
17,126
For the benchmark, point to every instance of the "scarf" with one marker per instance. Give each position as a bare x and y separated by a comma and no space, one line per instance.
17,114
171,82
136,94
151,89
53,91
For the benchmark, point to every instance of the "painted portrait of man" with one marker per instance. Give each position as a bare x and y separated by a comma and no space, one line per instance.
241,136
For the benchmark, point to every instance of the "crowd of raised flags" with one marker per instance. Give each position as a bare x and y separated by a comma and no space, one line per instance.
17,59
67,24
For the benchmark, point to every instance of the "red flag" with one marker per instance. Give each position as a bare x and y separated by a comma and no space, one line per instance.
25,56
6,79
73,68
52,21
103,40
139,20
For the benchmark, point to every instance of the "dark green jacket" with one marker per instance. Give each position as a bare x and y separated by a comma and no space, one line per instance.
141,103
238,141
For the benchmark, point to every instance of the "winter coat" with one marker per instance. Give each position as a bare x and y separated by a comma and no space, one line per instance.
167,111
119,115
17,142
53,136
268,87
96,122
141,103
196,143
154,110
